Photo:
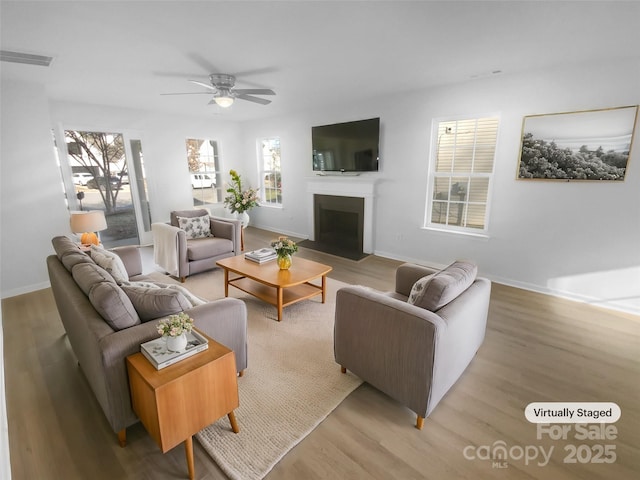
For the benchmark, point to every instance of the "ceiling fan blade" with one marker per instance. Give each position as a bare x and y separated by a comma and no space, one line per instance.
206,85
251,98
254,91
188,93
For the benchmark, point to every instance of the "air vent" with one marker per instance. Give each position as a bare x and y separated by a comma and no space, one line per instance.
27,58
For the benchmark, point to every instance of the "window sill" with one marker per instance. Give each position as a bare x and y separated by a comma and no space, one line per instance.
481,236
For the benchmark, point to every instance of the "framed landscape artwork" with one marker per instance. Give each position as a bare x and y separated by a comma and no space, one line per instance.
588,145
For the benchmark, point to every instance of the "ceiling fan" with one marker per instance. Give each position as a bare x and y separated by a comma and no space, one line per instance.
224,94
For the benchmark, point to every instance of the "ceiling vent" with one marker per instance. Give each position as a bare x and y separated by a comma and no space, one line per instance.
27,58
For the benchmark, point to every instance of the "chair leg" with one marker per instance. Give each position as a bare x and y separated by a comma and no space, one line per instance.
343,369
419,422
182,279
241,373
122,437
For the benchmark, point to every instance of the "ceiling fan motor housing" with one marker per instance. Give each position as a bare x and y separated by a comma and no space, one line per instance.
222,80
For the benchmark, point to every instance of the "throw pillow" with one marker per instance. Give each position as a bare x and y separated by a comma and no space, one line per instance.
152,303
195,227
191,298
437,290
111,262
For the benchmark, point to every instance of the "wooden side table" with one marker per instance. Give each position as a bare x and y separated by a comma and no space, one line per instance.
180,400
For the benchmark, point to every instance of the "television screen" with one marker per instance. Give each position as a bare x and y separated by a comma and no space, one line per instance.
346,147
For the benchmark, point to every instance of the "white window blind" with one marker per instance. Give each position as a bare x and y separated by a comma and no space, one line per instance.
460,174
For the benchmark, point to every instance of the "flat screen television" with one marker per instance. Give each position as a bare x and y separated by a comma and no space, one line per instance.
346,147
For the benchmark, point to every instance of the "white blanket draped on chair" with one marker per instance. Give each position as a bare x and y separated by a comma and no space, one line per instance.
165,246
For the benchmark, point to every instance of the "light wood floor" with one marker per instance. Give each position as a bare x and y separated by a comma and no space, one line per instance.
537,348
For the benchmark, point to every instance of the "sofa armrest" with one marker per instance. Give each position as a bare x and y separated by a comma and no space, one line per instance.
409,273
114,349
388,343
228,228
225,321
130,256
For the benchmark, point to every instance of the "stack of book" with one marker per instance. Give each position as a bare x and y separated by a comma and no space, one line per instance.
157,353
261,256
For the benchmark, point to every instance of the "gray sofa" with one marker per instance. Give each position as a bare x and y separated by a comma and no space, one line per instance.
104,328
415,342
180,255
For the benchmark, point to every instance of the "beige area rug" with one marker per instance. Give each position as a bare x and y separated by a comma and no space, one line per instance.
291,384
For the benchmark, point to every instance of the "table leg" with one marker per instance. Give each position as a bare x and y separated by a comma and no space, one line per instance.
188,446
226,282
324,288
280,301
233,422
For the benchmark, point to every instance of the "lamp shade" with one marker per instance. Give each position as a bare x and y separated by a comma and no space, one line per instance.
87,223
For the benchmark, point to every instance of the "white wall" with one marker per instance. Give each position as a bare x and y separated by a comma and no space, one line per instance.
577,239
32,207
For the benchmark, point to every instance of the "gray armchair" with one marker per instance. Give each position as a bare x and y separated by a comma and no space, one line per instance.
413,352
182,256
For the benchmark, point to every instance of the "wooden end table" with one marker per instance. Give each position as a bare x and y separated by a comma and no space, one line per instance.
274,286
178,401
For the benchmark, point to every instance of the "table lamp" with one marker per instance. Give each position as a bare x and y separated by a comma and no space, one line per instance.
86,224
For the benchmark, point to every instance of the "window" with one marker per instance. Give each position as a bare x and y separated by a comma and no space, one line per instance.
204,171
460,174
269,166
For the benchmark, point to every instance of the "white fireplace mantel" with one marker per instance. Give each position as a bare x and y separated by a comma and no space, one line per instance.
347,186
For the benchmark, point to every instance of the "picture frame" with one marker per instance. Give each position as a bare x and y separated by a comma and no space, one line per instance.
588,145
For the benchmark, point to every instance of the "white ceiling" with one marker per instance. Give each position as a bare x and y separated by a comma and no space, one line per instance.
311,53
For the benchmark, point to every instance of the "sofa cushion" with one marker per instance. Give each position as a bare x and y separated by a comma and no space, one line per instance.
155,302
113,305
111,262
195,227
105,295
86,275
434,291
201,248
69,252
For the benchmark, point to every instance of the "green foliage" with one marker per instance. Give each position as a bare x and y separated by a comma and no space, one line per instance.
541,159
238,200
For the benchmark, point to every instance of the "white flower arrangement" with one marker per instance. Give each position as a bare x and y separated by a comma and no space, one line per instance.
175,325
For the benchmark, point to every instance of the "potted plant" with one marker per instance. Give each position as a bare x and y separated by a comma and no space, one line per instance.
175,329
239,201
284,248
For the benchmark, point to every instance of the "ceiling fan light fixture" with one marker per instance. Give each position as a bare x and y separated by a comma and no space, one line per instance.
224,101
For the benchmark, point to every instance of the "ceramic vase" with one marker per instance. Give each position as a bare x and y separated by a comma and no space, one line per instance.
244,218
177,344
284,261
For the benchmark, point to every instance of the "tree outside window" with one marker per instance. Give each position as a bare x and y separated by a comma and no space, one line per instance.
203,160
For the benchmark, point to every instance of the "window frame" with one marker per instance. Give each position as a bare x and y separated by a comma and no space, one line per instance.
218,189
452,174
263,172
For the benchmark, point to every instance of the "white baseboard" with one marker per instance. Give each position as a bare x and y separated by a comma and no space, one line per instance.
25,289
610,304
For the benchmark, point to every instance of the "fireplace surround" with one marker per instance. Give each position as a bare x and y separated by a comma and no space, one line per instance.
347,200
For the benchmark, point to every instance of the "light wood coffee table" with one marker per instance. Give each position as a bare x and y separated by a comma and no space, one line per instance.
180,400
272,285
